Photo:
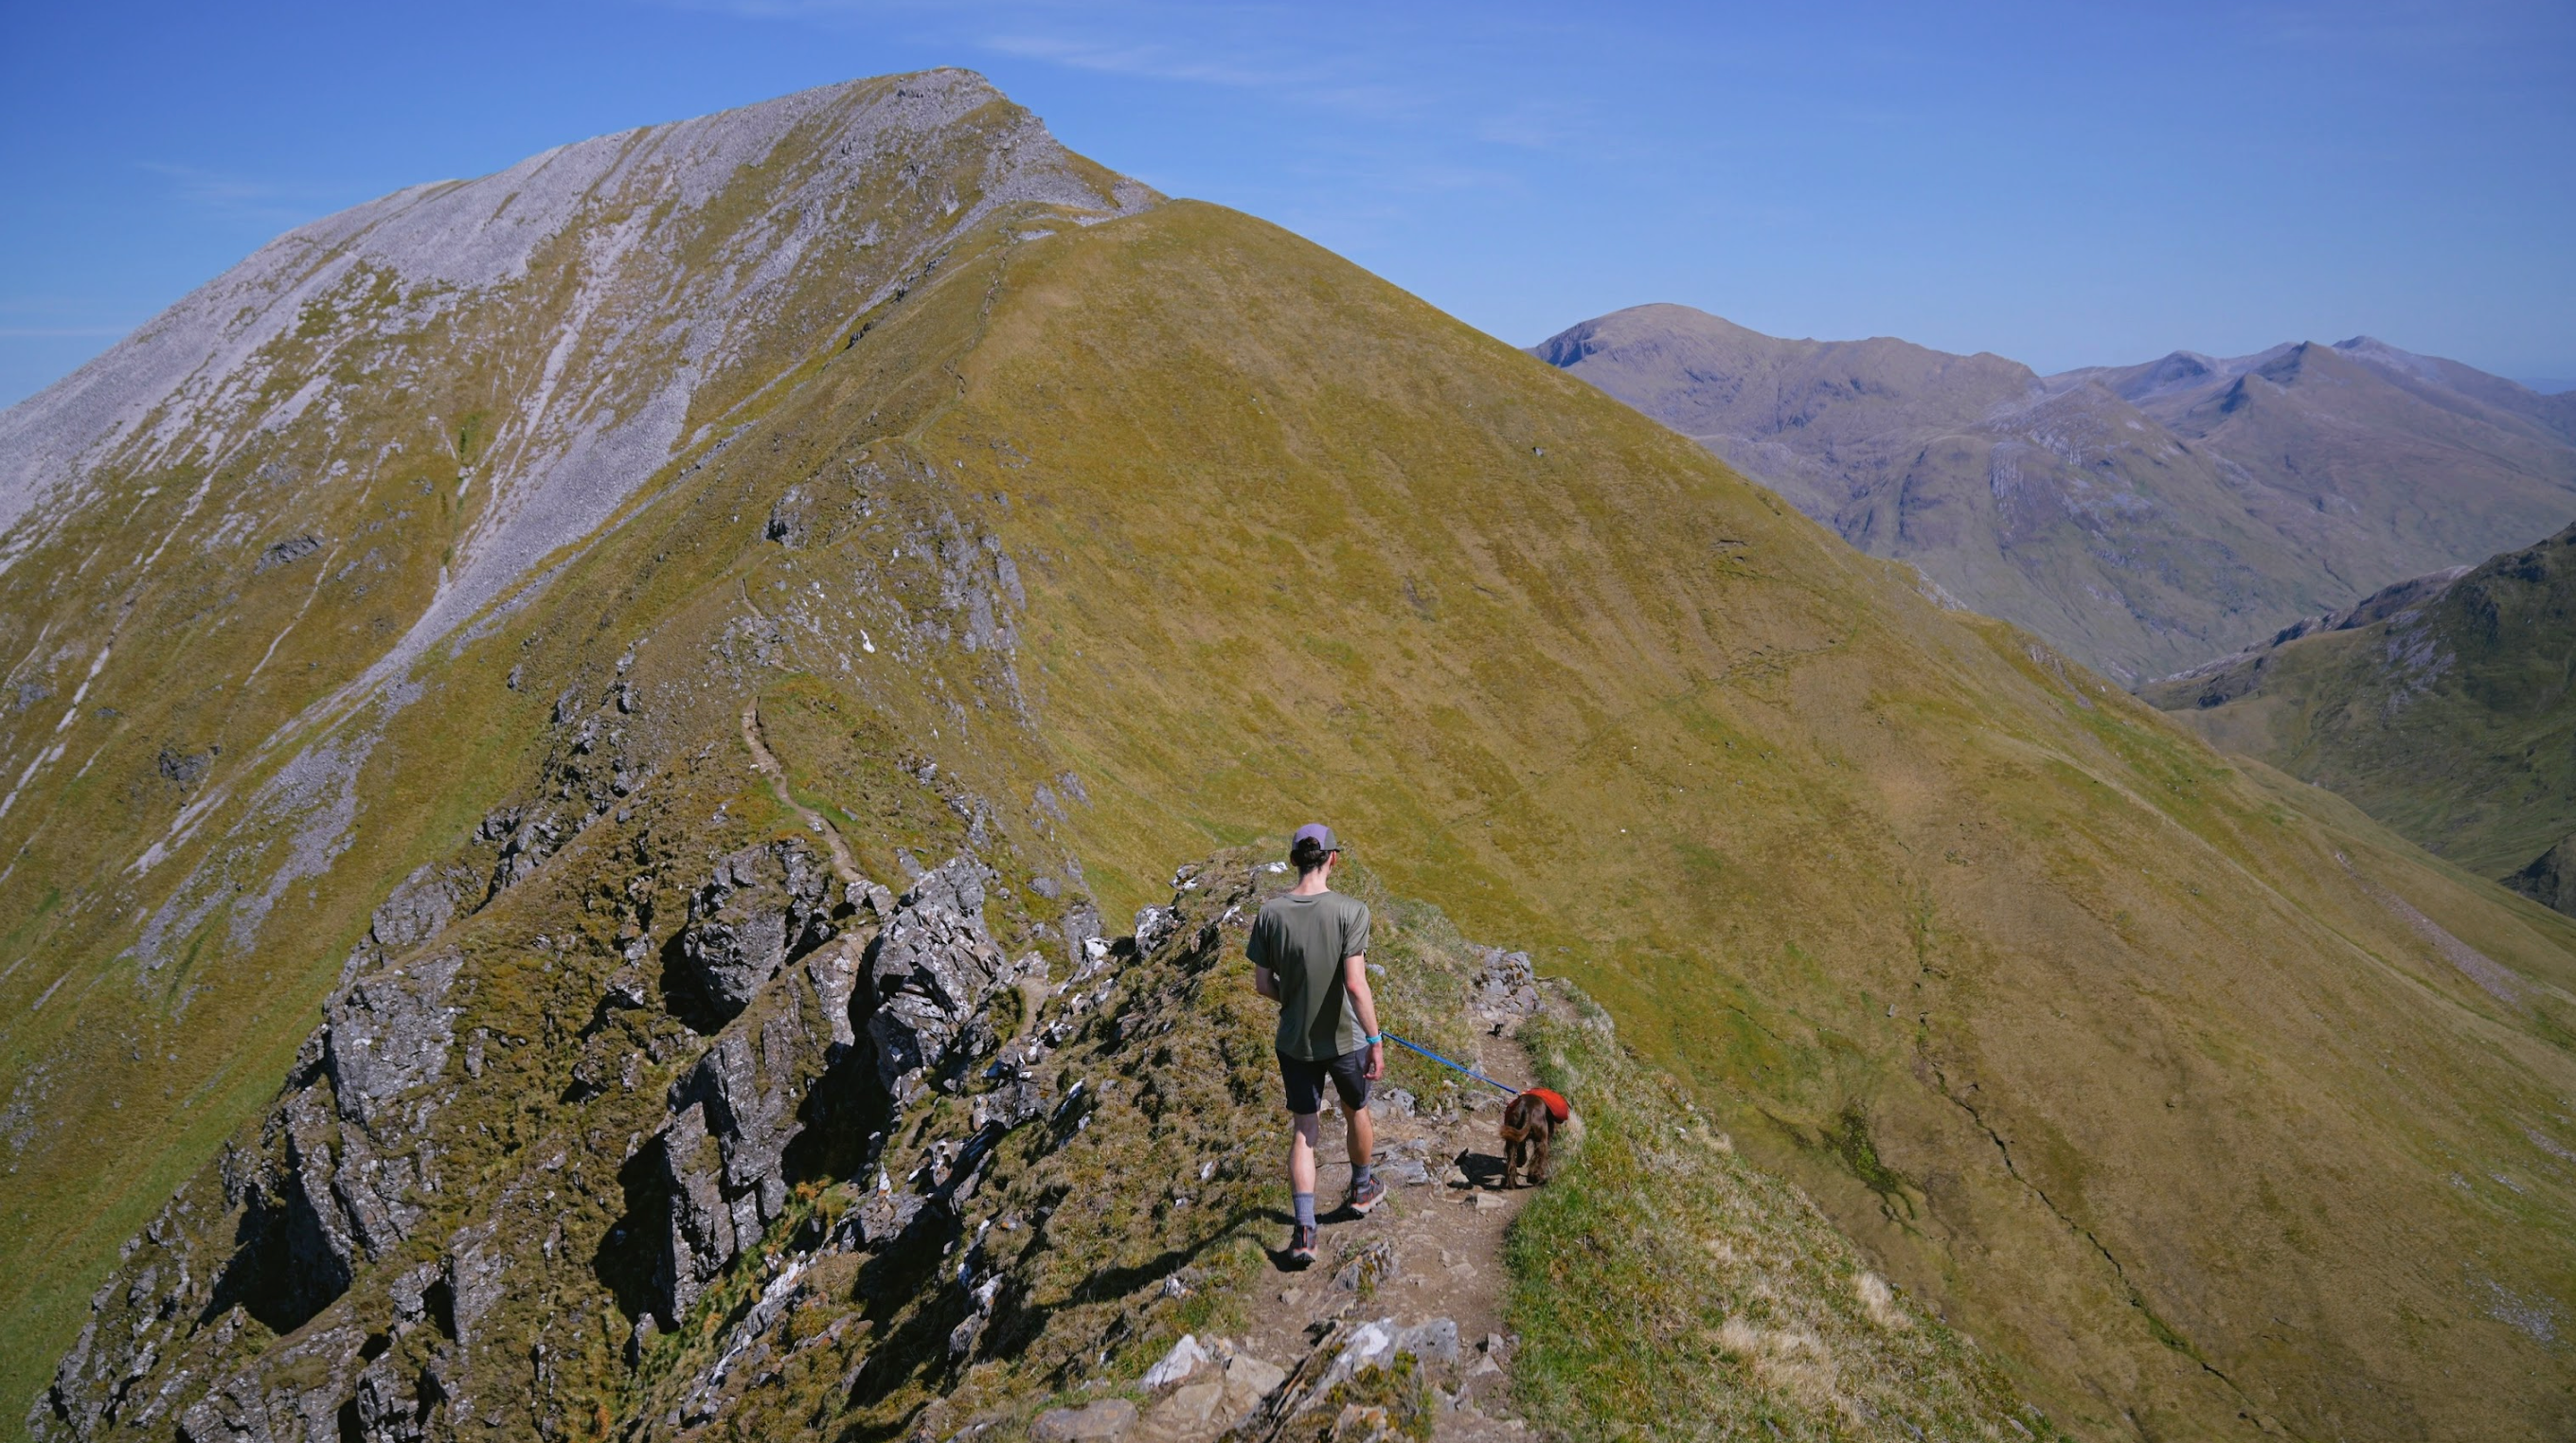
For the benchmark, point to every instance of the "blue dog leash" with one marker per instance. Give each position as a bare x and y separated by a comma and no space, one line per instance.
1445,1062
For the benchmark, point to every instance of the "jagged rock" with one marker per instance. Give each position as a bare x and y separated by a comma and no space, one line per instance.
1509,983
320,1252
411,1294
419,906
1007,1107
1184,1359
927,973
292,549
1485,1386
525,841
474,1268
1372,1267
291,1394
387,1033
884,1216
1083,943
722,1157
762,907
1153,924
391,1410
700,1233
790,518
329,1199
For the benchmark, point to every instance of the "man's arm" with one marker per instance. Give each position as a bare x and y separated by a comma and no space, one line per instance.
1363,1002
1264,981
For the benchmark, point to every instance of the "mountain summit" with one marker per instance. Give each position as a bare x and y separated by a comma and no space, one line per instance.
569,817
2144,517
585,316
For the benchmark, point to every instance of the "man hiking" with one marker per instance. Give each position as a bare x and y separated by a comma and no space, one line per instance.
1309,951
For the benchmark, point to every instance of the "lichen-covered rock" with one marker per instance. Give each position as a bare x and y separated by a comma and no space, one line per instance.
390,1408
721,1161
1509,983
927,973
762,907
290,1395
386,1034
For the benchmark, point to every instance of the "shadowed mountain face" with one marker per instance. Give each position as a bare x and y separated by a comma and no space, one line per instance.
2143,517
2444,706
657,819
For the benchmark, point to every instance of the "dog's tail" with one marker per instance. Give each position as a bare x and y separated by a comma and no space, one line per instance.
1514,1134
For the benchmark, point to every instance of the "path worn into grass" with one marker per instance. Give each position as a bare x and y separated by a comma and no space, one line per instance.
1432,1250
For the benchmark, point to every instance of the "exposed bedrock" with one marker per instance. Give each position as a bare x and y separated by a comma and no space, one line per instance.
830,1021
763,906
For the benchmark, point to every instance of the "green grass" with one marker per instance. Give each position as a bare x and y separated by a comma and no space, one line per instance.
2468,749
1663,1287
2152,1066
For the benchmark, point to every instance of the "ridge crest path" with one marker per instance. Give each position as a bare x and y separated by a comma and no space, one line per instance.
1437,1240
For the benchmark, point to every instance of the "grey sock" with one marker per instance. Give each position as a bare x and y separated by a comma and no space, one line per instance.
1359,1176
1305,1209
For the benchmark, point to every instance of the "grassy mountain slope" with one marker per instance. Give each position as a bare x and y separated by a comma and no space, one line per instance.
2444,711
1094,544
2142,517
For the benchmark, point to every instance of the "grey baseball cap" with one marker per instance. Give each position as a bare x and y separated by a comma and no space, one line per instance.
1322,835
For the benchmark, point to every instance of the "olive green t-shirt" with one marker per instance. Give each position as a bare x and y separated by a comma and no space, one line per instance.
1302,940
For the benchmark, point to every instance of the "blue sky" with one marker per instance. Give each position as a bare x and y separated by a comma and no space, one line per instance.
2066,184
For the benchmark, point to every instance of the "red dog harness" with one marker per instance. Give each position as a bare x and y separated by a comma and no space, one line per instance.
1557,1106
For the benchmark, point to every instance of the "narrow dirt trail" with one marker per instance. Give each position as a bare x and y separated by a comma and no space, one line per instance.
843,865
1430,1254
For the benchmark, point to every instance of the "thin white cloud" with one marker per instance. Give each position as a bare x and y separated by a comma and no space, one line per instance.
236,197
1152,62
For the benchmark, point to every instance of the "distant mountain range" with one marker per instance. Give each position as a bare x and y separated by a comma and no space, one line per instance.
2441,706
2147,517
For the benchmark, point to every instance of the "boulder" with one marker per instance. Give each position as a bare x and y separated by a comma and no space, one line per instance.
928,973
1509,983
1435,1341
1184,1358
1191,1408
760,908
1106,1419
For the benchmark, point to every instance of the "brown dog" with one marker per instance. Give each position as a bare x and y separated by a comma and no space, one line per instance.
1527,1126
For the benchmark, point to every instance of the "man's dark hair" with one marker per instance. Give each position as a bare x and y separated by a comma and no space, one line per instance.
1307,855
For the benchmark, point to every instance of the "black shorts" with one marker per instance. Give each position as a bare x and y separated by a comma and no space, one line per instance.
1306,1081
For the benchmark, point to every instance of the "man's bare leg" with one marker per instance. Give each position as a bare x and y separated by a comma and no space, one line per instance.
1303,1129
1361,1138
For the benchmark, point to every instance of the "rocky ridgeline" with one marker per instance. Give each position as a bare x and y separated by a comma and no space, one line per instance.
900,1173
240,1311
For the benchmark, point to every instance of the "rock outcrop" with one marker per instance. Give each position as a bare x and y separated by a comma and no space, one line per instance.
322,1223
926,974
762,906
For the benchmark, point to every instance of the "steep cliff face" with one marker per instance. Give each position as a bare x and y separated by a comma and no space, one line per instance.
1098,540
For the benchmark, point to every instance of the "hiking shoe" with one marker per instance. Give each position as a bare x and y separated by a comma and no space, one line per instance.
1301,1245
1367,1195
